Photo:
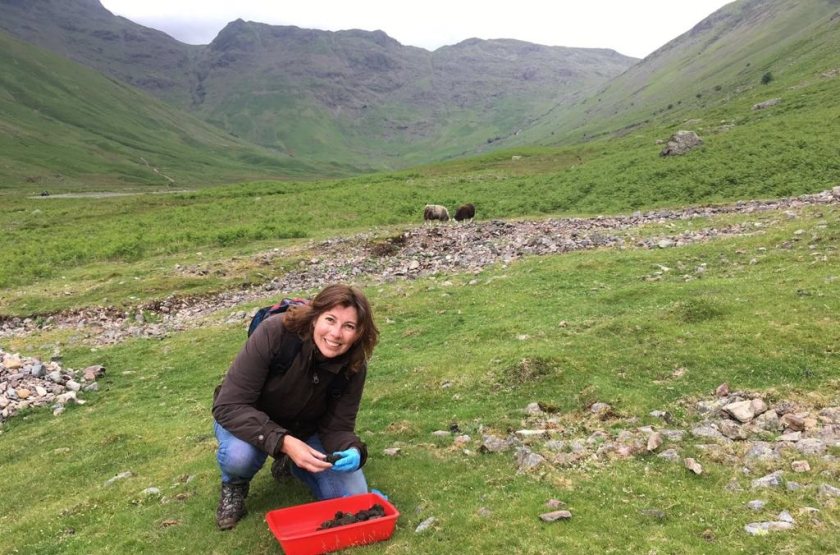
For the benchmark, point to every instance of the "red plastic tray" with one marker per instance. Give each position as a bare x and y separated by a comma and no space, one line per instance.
297,527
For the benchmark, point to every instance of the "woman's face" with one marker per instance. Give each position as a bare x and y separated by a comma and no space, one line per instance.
335,330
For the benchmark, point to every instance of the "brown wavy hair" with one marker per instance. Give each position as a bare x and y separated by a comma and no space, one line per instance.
301,319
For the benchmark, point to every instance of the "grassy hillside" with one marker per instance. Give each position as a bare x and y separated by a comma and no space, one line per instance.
84,31
68,127
474,351
784,150
711,72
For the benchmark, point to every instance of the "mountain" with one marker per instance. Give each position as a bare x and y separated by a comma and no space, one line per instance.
355,94
352,97
65,124
721,61
84,31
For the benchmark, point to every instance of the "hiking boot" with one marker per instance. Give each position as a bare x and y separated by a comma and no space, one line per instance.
231,507
280,468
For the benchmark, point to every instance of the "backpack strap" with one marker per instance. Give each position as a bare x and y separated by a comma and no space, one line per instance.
290,346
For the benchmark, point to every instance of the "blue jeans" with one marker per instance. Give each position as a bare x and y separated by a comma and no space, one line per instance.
239,461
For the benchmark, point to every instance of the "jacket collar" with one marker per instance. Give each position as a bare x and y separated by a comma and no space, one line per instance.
332,365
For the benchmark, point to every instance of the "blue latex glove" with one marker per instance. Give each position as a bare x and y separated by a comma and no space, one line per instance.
349,461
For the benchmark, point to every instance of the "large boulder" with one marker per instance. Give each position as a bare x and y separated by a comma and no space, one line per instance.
681,142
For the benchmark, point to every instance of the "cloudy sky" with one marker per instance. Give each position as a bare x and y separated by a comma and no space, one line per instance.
632,27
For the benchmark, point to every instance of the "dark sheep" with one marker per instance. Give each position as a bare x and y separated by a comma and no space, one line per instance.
465,212
435,212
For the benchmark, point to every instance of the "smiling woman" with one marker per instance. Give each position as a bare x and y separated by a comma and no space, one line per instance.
293,392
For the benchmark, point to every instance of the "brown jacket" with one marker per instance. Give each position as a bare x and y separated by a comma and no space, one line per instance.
260,408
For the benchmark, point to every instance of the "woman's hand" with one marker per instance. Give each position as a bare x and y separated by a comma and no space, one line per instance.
303,455
349,460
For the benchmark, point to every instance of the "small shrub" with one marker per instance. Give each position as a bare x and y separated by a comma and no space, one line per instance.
766,78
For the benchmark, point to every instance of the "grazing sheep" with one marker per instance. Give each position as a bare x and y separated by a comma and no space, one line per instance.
465,212
435,212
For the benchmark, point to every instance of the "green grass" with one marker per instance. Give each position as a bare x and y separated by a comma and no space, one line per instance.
788,151
68,127
566,330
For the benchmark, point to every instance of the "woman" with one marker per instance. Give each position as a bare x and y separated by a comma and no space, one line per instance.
293,392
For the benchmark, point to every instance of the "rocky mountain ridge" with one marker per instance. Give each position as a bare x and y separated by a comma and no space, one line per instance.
349,96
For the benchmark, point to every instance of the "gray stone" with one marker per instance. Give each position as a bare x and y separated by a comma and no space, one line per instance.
793,422
773,480
669,455
800,466
762,451
533,409
600,408
810,446
732,430
827,490
756,504
554,516
742,411
425,525
654,441
830,415
764,528
693,465
528,460
494,444
673,435
707,431
681,142
120,476
766,104
555,445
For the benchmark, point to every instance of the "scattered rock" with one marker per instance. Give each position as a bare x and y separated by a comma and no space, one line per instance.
756,504
693,465
681,142
766,104
425,525
773,480
670,455
554,516
800,466
120,476
27,382
827,490
763,528
494,444
654,441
